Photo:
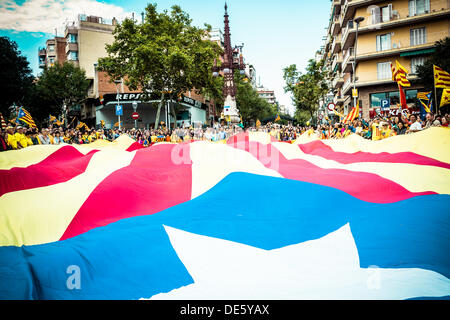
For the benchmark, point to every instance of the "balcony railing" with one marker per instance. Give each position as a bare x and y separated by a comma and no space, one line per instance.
347,85
348,58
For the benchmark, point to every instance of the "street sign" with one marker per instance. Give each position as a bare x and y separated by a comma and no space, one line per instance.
320,116
355,93
331,106
119,110
135,115
227,110
385,104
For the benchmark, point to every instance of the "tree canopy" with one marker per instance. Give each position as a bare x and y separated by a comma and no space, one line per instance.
165,54
251,106
440,58
306,89
16,79
59,85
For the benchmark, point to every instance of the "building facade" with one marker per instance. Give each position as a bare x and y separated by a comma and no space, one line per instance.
396,30
54,52
268,95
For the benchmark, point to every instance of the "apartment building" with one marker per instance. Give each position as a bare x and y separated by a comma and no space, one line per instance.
268,95
54,52
403,30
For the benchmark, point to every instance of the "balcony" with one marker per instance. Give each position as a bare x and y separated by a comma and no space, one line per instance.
338,81
336,25
348,36
348,60
338,100
336,47
397,49
347,85
337,61
71,47
349,7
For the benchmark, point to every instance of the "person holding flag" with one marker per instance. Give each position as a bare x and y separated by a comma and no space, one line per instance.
445,99
441,80
25,117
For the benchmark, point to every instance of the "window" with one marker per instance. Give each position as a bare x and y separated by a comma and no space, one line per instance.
386,13
72,56
51,47
384,71
417,7
411,96
375,99
384,42
418,36
72,38
394,98
415,62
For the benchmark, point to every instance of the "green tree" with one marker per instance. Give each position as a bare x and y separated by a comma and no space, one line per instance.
164,55
306,89
251,106
60,85
440,58
16,79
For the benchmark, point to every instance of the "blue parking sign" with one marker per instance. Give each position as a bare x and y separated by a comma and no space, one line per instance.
119,110
385,104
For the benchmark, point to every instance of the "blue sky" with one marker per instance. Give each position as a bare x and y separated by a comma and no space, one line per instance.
275,33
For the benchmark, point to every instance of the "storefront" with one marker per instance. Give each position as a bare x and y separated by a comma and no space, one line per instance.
187,110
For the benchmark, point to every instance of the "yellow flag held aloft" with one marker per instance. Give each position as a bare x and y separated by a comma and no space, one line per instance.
399,75
445,100
441,78
258,123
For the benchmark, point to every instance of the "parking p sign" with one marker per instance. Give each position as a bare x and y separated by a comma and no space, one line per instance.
385,105
119,110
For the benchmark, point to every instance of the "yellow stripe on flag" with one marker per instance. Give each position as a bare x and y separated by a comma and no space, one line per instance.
441,78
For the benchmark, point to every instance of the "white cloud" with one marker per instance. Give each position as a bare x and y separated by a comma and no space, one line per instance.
46,15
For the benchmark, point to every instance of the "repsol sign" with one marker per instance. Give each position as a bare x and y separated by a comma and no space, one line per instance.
130,97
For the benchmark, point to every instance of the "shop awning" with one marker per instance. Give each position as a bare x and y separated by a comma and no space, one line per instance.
417,52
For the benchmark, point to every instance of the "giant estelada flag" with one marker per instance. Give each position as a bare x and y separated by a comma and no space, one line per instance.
249,218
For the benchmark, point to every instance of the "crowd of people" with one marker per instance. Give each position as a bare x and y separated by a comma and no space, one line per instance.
383,127
20,137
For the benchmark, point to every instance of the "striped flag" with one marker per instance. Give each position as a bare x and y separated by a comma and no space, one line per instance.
25,117
441,78
52,119
352,114
102,123
445,100
399,75
423,95
101,98
81,125
277,118
3,123
105,222
258,123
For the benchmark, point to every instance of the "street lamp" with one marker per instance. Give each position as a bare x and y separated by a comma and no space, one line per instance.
358,21
118,96
134,110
